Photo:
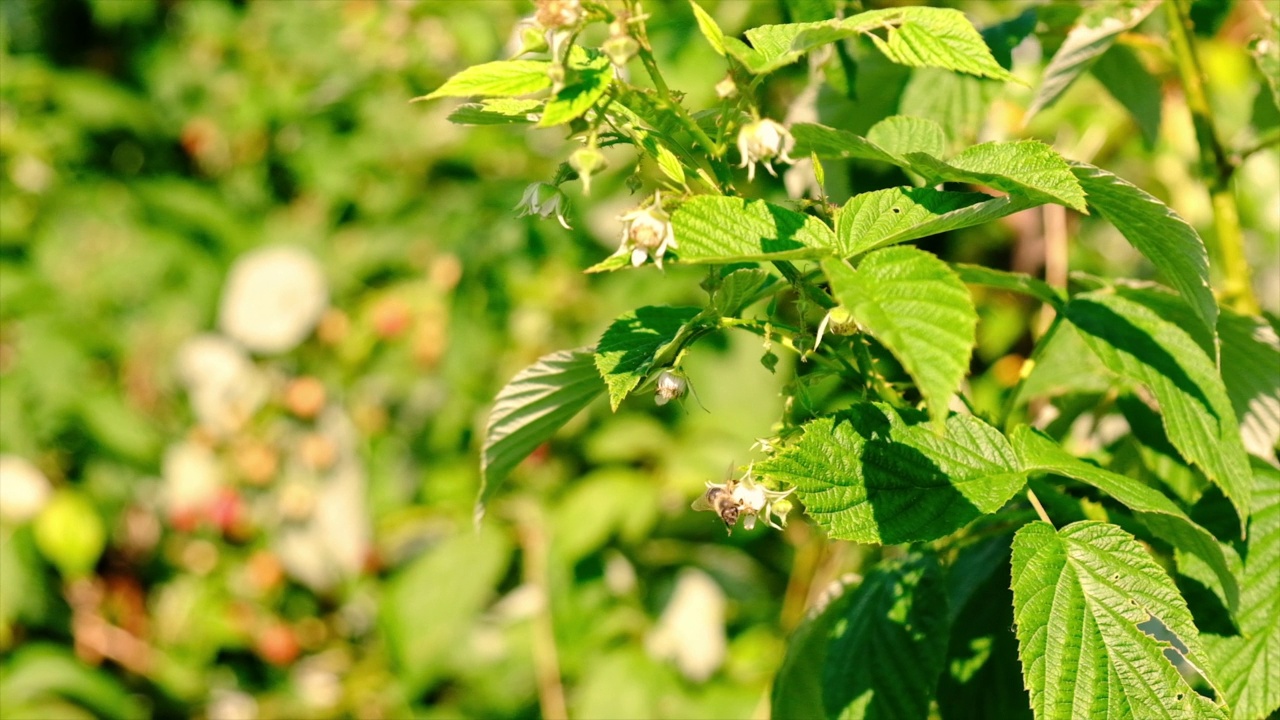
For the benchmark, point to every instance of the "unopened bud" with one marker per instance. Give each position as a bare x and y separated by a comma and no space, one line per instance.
620,49
587,161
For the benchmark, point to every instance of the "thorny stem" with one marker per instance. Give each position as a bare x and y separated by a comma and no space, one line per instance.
1215,166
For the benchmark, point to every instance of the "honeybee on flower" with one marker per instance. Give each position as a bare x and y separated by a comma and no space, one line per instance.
746,498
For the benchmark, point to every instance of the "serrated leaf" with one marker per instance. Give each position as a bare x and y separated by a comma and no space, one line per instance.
1062,364
1097,29
530,408
1133,341
719,229
1024,167
898,615
628,349
830,142
1247,663
915,36
1251,371
504,78
574,99
1079,596
1011,281
797,687
739,289
1041,454
982,677
899,135
710,30
916,307
1129,82
883,217
1171,244
497,111
867,475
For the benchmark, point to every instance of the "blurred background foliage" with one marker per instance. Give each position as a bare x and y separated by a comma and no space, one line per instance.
254,304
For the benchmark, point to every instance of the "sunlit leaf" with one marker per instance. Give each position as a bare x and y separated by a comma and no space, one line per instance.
504,78
719,229
628,349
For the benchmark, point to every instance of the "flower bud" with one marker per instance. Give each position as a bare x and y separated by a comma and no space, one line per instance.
838,321
726,88
762,142
672,385
620,49
532,40
587,161
543,199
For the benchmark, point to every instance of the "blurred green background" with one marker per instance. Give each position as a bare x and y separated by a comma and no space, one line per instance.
254,305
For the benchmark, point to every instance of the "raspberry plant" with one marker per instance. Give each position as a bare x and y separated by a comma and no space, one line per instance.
878,441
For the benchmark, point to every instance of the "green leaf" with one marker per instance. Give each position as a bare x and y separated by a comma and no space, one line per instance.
1041,454
504,78
1135,342
574,99
629,348
982,677
710,30
1129,82
830,142
797,688
740,289
868,476
1025,167
1062,364
1079,597
957,102
884,217
719,229
428,608
41,672
1247,663
498,111
1097,29
917,307
897,615
537,402
899,135
1157,232
1011,281
1250,356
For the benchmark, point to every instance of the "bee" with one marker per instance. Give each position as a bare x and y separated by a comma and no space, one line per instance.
719,498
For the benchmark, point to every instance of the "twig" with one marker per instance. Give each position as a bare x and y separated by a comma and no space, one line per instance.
1035,502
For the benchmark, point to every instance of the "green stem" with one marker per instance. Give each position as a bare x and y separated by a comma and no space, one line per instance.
1215,166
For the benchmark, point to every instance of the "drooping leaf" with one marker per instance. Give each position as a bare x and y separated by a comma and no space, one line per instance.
450,584
916,307
497,111
1157,232
884,217
1135,342
1079,597
1250,358
1247,663
628,349
868,476
897,615
1132,84
1041,454
1097,29
1024,167
720,229
739,289
504,78
982,677
529,409
587,85
1011,281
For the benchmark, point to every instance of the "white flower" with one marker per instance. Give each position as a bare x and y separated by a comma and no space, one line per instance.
691,628
544,200
646,232
224,385
553,14
273,299
672,385
747,498
761,142
24,490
